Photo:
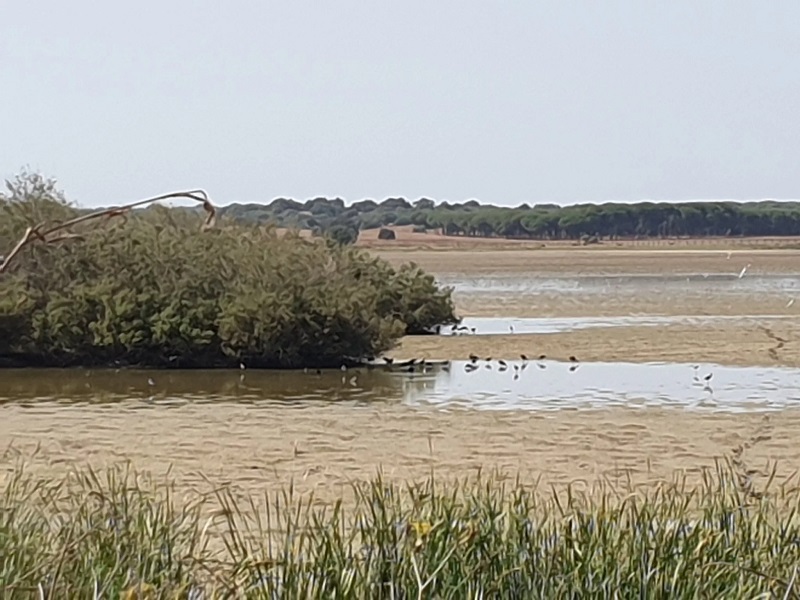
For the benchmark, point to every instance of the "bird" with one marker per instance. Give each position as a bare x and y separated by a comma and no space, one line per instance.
573,359
150,382
542,356
789,304
502,363
241,366
708,377
523,357
388,360
473,358
744,270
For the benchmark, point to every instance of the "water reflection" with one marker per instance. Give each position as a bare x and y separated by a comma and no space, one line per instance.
179,387
520,385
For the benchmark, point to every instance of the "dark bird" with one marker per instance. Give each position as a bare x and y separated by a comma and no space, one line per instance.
523,357
573,359
473,357
542,356
502,363
708,377
388,360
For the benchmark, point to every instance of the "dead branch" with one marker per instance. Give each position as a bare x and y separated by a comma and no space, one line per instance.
47,235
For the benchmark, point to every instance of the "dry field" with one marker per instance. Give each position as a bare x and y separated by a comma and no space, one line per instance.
324,447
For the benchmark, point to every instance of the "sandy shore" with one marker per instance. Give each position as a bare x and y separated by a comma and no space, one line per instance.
323,447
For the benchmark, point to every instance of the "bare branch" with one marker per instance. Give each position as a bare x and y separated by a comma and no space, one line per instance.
46,235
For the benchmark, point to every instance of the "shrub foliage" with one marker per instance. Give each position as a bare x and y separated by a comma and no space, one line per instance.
151,290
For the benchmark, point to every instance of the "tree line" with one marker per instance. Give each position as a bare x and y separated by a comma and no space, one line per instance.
333,217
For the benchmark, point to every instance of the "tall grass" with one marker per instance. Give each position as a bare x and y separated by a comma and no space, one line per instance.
121,535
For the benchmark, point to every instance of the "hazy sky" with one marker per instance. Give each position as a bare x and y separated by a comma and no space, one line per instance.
505,102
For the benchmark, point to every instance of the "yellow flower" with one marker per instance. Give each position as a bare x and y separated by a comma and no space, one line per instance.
140,591
421,529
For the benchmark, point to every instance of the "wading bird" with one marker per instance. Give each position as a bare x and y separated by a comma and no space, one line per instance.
744,270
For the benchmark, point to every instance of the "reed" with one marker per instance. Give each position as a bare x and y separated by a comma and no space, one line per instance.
121,534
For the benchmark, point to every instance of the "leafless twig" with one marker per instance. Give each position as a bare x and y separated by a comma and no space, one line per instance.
47,235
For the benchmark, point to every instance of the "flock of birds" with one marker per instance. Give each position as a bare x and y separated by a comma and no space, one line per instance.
475,363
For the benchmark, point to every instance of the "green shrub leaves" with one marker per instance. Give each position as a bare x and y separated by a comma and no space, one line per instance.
152,291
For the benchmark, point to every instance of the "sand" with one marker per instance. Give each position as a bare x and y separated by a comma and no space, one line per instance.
324,447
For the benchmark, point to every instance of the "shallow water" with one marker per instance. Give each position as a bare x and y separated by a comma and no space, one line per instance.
510,325
530,386
726,283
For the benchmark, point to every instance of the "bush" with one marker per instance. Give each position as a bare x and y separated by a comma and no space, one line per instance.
342,234
153,291
386,234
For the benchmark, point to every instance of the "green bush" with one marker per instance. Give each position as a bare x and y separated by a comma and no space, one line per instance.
154,291
120,535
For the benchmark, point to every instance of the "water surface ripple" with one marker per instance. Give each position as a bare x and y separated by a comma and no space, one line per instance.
514,385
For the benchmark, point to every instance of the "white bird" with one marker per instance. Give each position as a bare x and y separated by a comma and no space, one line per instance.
789,304
728,257
150,382
743,271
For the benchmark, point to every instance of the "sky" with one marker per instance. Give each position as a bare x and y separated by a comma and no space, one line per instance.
503,102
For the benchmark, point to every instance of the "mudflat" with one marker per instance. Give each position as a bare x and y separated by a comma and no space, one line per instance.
324,446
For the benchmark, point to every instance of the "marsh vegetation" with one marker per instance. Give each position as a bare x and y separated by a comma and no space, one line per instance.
121,534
